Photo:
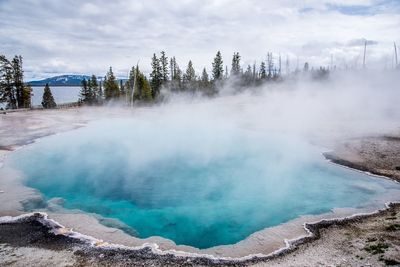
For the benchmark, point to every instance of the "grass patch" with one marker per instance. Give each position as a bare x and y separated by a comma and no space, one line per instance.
393,227
376,249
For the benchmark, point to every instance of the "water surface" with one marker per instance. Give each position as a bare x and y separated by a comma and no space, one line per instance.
196,184
62,94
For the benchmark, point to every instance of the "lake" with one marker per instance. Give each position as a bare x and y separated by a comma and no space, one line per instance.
62,94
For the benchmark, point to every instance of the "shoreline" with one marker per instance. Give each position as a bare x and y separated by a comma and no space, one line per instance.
312,229
94,249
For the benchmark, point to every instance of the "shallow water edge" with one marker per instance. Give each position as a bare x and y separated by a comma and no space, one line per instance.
152,251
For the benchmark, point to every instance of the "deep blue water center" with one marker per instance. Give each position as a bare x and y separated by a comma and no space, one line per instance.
196,184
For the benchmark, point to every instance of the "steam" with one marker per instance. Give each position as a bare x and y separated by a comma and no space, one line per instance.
348,104
196,163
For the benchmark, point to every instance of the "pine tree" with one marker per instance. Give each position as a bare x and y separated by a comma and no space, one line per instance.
147,94
143,90
7,89
88,91
204,80
95,90
137,90
270,64
217,67
248,76
189,78
18,76
204,76
156,76
190,72
235,69
83,94
164,67
263,71
172,63
111,90
100,92
48,99
26,96
306,67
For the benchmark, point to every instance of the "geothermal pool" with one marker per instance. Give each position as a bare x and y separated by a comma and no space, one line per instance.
195,183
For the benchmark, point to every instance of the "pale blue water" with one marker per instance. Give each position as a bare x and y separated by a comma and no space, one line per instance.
196,184
62,94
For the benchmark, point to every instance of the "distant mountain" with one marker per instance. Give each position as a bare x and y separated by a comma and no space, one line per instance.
63,80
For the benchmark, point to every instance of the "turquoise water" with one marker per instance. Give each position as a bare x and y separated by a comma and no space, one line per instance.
196,184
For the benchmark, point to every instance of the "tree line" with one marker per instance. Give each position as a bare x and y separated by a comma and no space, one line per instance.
165,75
13,91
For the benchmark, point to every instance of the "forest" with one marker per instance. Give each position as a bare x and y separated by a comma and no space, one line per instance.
165,75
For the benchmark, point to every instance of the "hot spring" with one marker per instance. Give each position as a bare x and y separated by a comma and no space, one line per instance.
197,183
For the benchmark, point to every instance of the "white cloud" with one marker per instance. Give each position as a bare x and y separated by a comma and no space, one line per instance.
88,37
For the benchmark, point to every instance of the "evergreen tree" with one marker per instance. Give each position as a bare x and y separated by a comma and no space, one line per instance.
7,92
164,67
217,67
306,67
235,69
18,76
189,78
270,65
172,64
156,76
83,94
176,75
204,76
248,76
48,99
100,92
111,90
147,94
137,93
94,89
263,71
87,94
143,91
190,72
26,96
204,80
130,83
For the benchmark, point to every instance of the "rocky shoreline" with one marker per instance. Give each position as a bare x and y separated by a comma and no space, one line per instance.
376,155
31,233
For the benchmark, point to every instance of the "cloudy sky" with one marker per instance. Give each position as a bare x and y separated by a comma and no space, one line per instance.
84,37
